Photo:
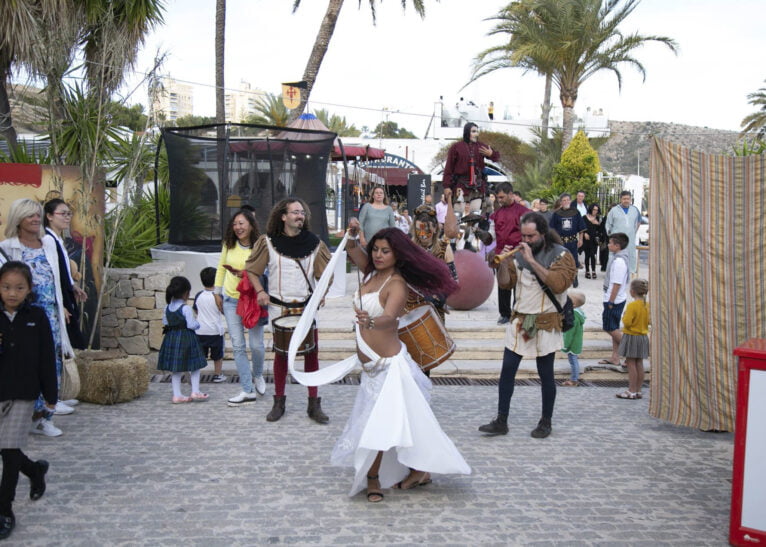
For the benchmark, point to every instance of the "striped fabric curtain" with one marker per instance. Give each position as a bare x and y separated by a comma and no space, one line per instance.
708,286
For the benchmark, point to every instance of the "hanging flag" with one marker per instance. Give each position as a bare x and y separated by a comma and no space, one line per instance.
291,93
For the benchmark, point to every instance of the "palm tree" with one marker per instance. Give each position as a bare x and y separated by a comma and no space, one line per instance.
337,124
322,42
588,40
44,36
112,34
756,122
270,110
18,27
580,38
522,23
220,32
220,99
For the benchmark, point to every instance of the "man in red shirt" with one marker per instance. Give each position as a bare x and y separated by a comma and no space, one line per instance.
506,223
465,166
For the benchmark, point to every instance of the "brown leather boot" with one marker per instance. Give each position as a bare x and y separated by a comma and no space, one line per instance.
278,410
315,411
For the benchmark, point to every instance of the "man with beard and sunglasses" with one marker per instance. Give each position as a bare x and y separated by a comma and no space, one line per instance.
535,326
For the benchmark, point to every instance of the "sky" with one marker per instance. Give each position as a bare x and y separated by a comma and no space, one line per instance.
405,63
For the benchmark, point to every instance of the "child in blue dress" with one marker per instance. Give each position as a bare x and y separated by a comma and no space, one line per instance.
180,351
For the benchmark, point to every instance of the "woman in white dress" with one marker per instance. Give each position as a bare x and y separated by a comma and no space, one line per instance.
392,438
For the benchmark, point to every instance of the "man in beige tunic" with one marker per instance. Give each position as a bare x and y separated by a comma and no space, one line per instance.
296,258
535,326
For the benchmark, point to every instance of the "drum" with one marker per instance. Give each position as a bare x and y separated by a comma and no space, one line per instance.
282,332
426,339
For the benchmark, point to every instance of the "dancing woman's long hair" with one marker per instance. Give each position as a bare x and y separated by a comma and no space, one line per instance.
421,269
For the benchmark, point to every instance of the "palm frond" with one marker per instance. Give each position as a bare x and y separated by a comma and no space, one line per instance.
756,122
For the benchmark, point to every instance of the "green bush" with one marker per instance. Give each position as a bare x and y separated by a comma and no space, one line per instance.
137,229
577,170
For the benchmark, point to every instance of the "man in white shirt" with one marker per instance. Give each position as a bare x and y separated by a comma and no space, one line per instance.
625,218
580,204
615,293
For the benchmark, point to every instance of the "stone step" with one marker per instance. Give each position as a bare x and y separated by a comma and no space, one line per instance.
457,333
589,368
466,349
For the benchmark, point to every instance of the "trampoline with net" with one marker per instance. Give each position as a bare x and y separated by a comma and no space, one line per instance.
214,171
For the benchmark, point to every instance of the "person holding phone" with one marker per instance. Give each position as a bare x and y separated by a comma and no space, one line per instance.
241,234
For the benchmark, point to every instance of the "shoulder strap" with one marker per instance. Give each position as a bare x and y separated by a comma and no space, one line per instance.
306,277
196,296
5,255
548,291
386,281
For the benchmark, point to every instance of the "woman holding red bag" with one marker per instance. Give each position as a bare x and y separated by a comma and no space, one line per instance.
241,234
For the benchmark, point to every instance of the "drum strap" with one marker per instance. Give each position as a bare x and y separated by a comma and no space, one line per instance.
311,290
276,301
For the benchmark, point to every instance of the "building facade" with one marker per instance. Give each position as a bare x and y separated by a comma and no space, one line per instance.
240,103
174,100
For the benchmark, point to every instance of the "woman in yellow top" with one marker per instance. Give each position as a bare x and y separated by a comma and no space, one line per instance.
241,234
634,345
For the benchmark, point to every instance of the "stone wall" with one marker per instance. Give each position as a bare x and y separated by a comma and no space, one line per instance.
132,307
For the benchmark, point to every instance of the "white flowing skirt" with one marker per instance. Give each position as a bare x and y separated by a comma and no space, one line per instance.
392,415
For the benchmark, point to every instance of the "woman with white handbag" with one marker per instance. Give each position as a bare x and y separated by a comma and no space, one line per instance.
25,242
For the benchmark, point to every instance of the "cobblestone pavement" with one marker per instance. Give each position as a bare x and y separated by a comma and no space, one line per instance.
151,473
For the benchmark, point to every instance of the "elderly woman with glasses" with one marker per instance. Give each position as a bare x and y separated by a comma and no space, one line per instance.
26,242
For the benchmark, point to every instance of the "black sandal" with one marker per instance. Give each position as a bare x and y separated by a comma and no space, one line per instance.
422,481
374,494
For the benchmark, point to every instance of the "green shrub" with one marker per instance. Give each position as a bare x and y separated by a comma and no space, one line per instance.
577,170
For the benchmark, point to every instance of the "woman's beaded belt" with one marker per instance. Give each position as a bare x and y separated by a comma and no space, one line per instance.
569,239
373,368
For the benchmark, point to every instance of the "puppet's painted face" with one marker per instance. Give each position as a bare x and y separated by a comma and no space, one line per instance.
424,233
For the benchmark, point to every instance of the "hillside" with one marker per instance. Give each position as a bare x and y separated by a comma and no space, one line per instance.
27,109
628,144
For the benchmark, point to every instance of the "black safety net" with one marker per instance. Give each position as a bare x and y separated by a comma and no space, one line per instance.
215,170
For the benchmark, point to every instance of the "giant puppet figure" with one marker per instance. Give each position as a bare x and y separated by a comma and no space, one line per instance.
426,235
465,166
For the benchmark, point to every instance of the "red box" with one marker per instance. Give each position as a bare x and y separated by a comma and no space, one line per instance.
748,491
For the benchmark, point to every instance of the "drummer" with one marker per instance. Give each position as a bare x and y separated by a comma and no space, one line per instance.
427,235
295,258
426,231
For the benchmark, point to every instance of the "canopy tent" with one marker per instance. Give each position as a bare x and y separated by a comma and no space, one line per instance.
352,186
361,152
340,151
